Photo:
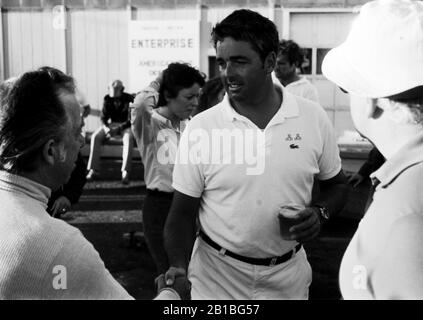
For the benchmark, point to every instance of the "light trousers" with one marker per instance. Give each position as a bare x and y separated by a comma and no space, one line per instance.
217,277
97,140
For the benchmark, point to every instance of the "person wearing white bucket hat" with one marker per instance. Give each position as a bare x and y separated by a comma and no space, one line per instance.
381,65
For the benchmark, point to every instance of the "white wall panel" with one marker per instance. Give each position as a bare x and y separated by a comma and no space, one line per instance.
32,41
99,54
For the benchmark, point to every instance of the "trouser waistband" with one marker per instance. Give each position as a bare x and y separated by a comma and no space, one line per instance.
256,261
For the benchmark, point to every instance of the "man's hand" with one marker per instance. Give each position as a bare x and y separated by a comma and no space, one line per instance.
177,279
308,226
60,206
160,283
355,180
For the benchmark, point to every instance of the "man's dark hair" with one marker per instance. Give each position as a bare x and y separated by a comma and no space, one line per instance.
249,26
178,76
292,51
31,113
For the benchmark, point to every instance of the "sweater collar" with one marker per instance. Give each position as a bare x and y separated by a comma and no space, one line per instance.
18,184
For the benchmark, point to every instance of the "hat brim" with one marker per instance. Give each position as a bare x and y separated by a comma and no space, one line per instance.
338,69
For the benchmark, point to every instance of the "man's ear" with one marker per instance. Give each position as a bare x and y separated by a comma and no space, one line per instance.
49,152
53,152
270,62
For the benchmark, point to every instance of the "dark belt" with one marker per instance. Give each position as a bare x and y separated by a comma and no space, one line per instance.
256,261
159,194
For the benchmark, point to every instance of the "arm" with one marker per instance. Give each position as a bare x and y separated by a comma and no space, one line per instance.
398,274
179,236
105,116
142,108
332,196
333,186
180,228
128,99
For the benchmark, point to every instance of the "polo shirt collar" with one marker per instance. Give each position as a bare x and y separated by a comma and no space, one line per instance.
408,156
288,109
168,123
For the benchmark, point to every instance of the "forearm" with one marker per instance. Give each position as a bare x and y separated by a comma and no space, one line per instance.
124,126
179,237
141,111
333,195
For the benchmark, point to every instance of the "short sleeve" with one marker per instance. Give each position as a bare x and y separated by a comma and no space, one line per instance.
188,175
329,160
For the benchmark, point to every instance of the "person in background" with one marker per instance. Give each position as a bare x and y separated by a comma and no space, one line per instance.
374,161
159,115
115,122
62,199
210,95
289,60
40,136
68,194
380,65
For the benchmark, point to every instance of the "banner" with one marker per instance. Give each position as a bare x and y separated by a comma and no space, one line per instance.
155,44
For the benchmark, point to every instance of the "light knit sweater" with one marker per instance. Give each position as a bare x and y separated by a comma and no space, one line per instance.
42,257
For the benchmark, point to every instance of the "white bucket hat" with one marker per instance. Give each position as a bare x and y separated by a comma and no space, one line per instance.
383,53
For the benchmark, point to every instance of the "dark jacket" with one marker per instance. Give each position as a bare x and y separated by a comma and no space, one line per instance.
73,188
117,110
374,161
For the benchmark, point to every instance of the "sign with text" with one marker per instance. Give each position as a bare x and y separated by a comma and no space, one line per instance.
155,44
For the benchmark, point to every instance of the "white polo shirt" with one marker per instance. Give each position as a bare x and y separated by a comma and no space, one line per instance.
303,88
240,194
157,139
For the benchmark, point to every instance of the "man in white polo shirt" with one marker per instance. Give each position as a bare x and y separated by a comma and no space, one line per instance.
237,163
289,59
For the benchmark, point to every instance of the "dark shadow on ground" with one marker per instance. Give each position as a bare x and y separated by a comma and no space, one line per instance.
132,266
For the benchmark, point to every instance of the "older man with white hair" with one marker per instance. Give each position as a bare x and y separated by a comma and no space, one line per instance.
115,120
381,65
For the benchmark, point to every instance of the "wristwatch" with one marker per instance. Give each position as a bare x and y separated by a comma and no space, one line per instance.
324,212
